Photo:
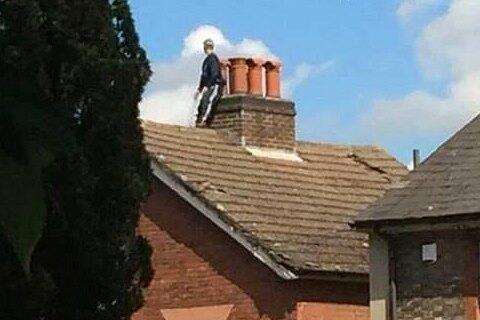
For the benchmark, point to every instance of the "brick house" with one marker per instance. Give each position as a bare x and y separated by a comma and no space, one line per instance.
248,223
424,238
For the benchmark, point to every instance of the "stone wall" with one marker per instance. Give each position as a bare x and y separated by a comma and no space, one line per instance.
435,290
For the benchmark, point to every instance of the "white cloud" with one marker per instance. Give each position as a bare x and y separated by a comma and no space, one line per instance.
415,115
169,97
448,50
302,73
193,44
450,44
174,106
408,8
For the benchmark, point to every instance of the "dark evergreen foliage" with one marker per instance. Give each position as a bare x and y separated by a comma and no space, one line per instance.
72,74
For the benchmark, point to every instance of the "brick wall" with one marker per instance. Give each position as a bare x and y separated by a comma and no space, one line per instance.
436,290
321,311
261,122
196,265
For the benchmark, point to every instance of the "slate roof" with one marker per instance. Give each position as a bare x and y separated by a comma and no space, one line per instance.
446,184
297,211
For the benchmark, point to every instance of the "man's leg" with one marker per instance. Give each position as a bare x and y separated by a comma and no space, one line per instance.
203,105
215,101
213,94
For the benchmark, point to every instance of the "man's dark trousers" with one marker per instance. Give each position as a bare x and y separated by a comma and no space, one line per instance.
208,104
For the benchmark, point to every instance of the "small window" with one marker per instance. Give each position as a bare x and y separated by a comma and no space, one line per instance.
429,252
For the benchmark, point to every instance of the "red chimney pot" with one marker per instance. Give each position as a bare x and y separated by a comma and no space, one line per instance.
238,76
255,76
272,71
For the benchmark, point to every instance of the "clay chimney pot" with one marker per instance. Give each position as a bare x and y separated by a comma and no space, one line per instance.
255,76
238,76
272,72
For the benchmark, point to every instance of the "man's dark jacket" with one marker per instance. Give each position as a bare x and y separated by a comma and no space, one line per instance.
211,72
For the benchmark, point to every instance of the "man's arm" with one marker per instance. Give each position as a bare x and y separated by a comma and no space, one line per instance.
215,70
205,74
202,83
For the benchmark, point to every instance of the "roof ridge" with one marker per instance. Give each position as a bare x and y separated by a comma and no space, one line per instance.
343,145
449,139
178,126
221,133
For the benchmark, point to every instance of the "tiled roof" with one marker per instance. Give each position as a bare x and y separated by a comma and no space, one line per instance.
297,211
445,184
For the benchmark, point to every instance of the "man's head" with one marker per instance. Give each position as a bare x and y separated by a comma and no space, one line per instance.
208,46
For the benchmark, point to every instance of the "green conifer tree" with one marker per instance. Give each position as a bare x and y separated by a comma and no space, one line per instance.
79,74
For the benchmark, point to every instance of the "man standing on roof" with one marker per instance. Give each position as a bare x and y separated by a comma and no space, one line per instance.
211,85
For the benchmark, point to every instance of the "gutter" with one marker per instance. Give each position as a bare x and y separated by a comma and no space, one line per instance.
464,221
336,276
174,183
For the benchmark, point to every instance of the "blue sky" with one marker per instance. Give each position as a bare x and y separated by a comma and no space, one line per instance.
399,74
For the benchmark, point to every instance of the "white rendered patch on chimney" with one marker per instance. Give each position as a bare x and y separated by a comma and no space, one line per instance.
279,154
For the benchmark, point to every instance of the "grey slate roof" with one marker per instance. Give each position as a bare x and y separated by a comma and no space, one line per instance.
296,211
446,184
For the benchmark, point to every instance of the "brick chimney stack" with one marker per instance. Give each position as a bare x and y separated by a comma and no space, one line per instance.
252,108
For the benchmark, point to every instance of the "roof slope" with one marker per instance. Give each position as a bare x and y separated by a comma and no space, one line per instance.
445,184
297,211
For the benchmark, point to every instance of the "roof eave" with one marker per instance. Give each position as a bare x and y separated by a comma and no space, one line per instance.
335,276
174,183
419,224
431,224
361,225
